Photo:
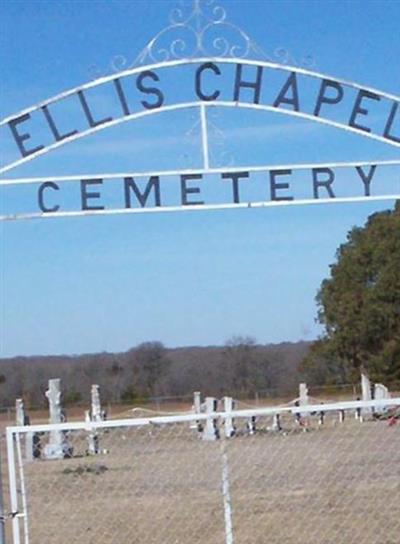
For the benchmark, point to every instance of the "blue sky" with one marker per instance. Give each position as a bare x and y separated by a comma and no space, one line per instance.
108,283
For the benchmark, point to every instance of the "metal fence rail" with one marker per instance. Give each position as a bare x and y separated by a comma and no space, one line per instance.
314,479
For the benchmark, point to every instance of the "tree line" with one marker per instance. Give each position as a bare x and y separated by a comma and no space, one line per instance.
240,368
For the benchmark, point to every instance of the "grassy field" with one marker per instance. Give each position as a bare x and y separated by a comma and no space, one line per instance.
335,484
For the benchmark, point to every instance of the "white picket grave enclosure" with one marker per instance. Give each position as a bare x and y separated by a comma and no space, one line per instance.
321,479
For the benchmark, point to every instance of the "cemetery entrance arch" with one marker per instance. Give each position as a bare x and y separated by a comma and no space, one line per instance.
203,73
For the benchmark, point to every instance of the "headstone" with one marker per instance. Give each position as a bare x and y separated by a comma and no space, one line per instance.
96,414
197,410
366,394
210,431
197,402
229,424
93,438
303,397
58,446
381,392
19,412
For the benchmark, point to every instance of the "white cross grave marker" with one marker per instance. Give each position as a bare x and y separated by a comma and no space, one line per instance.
58,446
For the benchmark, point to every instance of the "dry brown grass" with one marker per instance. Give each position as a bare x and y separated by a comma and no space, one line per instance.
339,484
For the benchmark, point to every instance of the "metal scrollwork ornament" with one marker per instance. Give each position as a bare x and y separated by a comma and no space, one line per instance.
201,29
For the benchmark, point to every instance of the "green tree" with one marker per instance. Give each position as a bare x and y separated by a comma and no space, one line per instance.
359,306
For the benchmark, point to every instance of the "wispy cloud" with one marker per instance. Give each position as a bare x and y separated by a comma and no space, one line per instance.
123,146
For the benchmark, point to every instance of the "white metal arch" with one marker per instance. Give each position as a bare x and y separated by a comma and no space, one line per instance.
180,62
188,105
198,104
211,170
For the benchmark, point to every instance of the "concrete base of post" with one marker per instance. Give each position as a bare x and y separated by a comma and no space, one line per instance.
251,425
276,423
57,451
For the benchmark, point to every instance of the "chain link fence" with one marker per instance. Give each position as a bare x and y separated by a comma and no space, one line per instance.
309,478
